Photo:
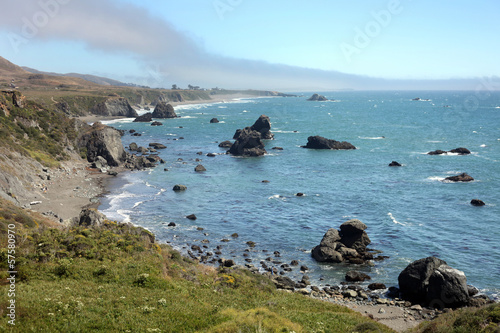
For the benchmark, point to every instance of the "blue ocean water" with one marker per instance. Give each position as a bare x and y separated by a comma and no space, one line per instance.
410,212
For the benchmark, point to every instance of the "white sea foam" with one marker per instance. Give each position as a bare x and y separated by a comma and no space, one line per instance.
483,145
118,121
394,219
137,204
125,214
281,131
435,178
371,137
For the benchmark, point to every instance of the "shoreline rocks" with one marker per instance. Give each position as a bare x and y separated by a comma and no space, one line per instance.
432,282
347,245
319,142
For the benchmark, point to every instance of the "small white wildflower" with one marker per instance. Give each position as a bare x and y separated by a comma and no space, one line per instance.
51,314
162,302
122,297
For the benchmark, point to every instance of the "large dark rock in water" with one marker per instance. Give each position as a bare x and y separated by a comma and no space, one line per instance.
164,110
145,118
104,141
430,281
317,97
114,107
319,142
348,244
463,177
262,126
249,144
477,202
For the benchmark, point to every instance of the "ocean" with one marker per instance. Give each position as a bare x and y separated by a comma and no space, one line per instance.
410,212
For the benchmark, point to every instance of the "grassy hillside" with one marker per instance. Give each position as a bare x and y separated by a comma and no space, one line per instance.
113,279
483,320
34,131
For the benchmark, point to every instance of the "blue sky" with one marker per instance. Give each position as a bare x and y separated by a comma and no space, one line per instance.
236,42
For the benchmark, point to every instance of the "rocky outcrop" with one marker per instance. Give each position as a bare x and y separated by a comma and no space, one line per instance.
319,142
347,245
214,121
459,151
90,218
104,141
163,111
463,177
145,118
432,282
395,164
262,126
317,98
248,144
116,107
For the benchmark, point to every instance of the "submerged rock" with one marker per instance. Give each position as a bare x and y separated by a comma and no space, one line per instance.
477,202
460,151
319,142
395,164
463,177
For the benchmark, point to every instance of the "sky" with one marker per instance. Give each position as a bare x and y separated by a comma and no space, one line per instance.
279,45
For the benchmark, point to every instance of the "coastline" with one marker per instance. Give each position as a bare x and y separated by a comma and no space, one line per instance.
80,187
215,99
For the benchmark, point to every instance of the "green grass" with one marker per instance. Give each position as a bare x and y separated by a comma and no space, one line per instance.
113,279
483,320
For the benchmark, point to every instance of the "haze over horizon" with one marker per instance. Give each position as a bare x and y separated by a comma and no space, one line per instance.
288,46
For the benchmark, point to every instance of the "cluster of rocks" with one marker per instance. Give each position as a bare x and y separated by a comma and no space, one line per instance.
349,244
105,150
317,98
161,111
459,151
319,142
249,140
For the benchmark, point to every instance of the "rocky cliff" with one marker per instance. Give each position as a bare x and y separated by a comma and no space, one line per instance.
114,106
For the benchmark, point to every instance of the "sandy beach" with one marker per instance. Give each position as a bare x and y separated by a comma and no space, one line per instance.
69,189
